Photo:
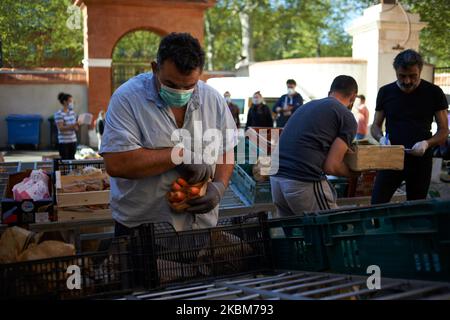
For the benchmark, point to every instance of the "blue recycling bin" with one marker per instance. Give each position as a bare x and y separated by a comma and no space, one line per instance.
24,129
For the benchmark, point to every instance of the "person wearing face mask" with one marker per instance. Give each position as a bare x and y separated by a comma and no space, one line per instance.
66,122
234,109
287,104
140,144
259,114
313,144
409,105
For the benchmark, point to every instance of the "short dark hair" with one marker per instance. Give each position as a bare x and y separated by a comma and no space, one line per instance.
184,50
345,85
408,58
63,97
362,97
291,81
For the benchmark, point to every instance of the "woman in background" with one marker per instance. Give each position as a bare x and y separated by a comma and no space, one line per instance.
66,122
100,127
259,114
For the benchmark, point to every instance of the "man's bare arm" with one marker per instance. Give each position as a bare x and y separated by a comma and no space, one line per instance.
442,133
139,163
334,163
376,130
62,127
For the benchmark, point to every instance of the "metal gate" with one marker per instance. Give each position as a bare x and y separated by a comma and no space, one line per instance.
122,71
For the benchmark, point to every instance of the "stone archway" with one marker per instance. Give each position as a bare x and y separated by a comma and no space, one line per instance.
107,21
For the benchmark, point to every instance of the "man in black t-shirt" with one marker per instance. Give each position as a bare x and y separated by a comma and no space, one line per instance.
313,144
409,106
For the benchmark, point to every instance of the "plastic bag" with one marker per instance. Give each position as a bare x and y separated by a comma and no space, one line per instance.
35,187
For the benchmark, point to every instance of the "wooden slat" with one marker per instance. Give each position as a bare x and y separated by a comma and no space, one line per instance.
82,198
365,158
71,215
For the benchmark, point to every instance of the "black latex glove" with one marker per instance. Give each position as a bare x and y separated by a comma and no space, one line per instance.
209,201
194,173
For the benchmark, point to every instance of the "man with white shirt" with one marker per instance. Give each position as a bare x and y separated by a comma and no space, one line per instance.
140,152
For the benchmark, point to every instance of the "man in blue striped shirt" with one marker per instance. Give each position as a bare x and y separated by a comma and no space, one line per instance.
66,122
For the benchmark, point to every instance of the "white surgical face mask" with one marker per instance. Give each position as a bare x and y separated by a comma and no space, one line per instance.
291,91
257,100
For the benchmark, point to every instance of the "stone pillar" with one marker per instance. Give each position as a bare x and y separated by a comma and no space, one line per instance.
98,75
97,65
379,35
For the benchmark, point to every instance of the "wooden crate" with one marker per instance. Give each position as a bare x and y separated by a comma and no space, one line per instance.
84,213
366,157
72,199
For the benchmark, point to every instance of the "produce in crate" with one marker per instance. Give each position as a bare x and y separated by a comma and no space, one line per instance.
86,179
47,249
172,271
225,253
18,244
181,192
12,242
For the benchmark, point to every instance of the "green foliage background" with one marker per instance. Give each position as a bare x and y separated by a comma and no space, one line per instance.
34,32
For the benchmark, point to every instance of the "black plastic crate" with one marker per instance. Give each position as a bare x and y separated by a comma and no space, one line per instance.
66,166
409,240
297,244
100,273
175,257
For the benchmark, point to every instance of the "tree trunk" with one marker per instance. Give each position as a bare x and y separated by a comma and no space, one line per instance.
246,52
209,46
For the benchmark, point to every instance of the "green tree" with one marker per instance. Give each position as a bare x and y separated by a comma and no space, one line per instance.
137,46
34,33
283,29
435,38
223,37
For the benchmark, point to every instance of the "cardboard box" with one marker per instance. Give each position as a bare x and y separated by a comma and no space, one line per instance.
366,158
26,211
